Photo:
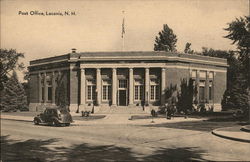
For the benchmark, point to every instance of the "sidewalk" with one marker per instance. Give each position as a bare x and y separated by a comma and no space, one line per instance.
109,119
233,133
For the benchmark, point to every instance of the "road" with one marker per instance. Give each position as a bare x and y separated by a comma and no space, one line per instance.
23,141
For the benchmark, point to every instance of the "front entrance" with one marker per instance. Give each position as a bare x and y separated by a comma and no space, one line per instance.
122,98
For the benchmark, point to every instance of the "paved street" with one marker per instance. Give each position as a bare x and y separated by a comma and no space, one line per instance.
23,141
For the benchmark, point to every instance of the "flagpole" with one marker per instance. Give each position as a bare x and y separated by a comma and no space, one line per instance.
123,43
123,31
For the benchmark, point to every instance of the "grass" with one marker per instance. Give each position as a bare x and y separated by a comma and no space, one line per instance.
24,113
91,117
216,116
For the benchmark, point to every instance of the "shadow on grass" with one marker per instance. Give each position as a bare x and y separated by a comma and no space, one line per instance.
38,150
205,125
25,151
89,117
176,154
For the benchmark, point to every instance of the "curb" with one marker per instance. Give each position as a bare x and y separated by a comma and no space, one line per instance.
245,129
16,120
29,121
214,132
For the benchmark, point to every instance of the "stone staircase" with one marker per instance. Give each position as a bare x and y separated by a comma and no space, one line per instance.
121,110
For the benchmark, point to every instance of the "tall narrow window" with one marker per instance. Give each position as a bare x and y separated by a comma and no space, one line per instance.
210,90
154,90
138,90
49,86
202,90
91,90
42,85
106,90
42,93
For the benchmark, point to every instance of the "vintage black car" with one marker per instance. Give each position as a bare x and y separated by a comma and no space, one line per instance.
54,116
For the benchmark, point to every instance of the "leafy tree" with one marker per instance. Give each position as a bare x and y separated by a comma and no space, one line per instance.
9,62
239,33
13,95
188,48
166,41
26,89
170,94
186,96
214,53
61,96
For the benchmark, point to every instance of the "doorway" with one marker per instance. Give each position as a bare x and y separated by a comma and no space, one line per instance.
122,97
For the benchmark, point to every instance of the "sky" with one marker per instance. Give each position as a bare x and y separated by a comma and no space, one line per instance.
97,25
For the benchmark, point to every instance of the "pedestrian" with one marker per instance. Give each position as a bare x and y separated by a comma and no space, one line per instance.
169,107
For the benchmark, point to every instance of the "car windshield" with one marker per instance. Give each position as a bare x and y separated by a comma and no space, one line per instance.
63,111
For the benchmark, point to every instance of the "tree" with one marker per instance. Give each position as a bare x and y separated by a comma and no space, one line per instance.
228,101
166,41
61,97
215,53
186,96
188,48
239,33
9,62
13,95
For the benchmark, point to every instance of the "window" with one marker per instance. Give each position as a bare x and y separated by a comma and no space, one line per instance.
152,94
202,90
106,90
42,85
194,72
210,90
122,83
49,88
136,92
91,90
211,75
139,90
50,93
154,90
202,74
42,93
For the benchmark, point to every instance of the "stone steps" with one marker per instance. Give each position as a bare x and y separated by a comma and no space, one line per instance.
121,110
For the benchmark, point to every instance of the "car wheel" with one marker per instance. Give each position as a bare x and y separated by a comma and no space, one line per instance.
36,122
55,123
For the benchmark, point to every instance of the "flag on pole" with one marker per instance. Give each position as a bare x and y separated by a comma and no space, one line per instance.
123,26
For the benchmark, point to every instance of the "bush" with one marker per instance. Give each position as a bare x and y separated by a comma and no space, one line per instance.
13,96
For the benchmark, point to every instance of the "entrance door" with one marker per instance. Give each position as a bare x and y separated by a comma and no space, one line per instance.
122,98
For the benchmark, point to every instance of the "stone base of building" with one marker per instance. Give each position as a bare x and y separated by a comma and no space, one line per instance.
73,107
39,107
33,107
217,107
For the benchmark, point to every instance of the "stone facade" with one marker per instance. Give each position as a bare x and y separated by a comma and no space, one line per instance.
127,79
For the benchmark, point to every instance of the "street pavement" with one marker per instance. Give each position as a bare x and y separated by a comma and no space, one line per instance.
23,141
109,119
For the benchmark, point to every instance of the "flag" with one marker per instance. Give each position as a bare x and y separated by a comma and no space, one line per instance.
123,27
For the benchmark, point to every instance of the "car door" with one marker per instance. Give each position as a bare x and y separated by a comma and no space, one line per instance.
49,115
44,115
